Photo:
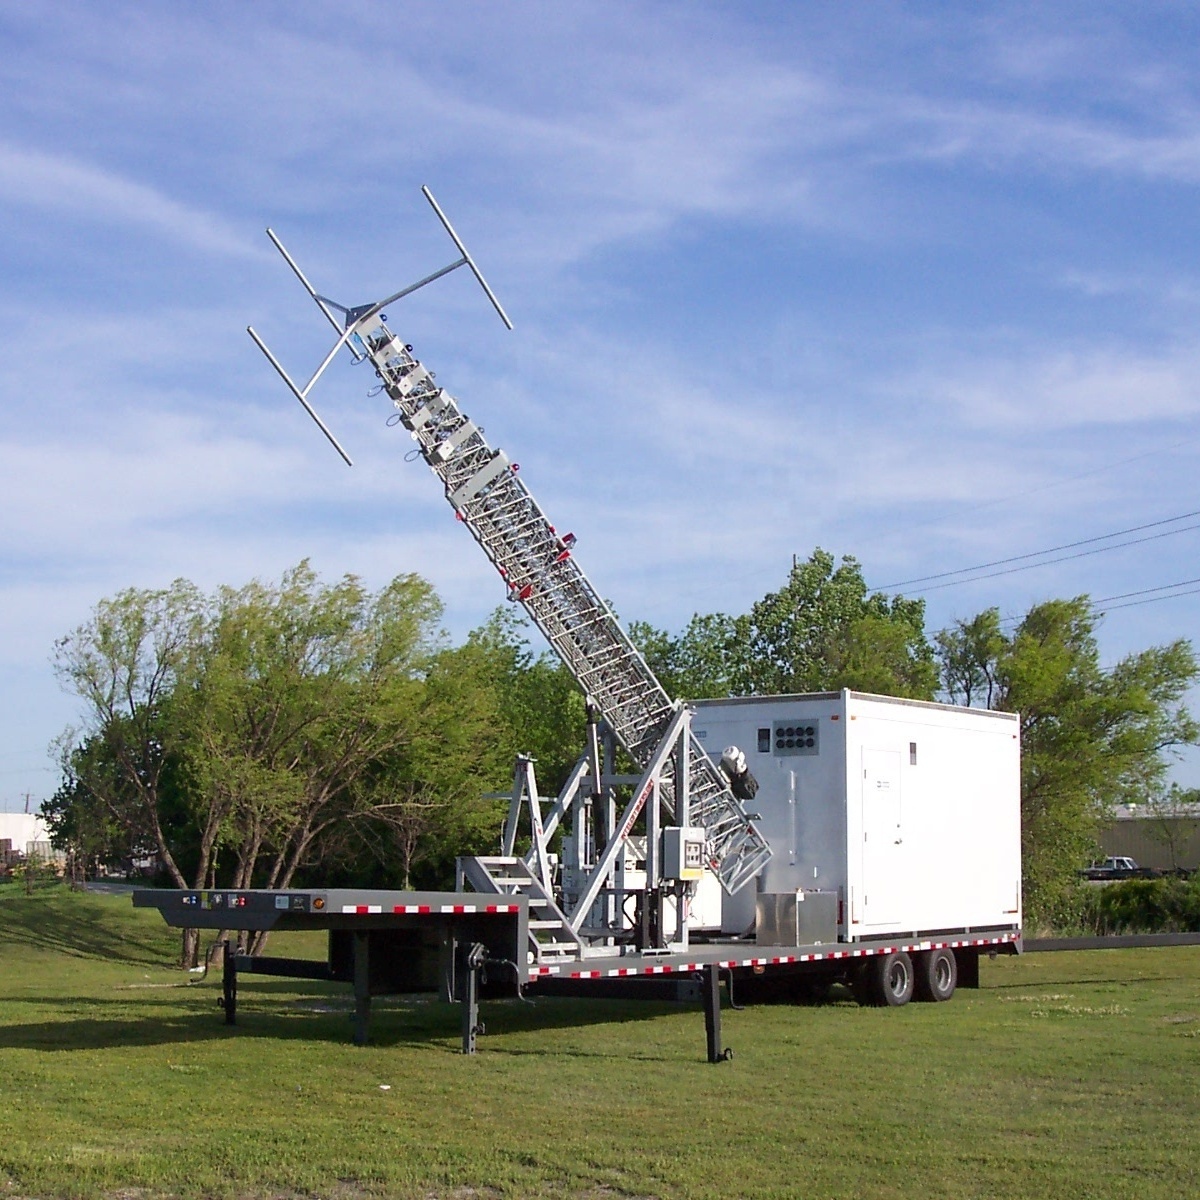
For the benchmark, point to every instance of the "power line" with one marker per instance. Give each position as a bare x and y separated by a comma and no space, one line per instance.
1062,558
1146,592
1057,483
1000,562
1166,587
1152,599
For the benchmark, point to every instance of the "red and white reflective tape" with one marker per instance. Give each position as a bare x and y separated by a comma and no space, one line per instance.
423,909
565,971
479,908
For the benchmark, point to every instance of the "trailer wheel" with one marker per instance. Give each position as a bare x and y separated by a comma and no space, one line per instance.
936,975
886,981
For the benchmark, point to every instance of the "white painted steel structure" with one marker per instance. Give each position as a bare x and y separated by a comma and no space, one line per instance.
540,572
896,819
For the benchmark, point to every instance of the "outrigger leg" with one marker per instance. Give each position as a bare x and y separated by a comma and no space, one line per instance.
712,1014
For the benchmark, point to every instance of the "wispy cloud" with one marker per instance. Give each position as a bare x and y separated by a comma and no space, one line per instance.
998,134
64,184
1069,388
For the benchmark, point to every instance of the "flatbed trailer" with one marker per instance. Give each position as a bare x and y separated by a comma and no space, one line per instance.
464,946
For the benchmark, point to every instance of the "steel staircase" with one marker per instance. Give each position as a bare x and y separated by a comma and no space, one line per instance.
551,938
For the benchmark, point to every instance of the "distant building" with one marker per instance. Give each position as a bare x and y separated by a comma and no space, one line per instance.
1165,840
24,835
23,828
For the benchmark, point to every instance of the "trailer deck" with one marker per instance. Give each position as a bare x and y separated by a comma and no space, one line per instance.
394,942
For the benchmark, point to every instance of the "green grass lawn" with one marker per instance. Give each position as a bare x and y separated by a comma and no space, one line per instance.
1066,1075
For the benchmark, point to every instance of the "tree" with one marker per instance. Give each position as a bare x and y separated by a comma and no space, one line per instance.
822,631
80,821
701,662
882,652
543,710
968,654
304,690
1090,738
125,664
248,721
31,870
426,803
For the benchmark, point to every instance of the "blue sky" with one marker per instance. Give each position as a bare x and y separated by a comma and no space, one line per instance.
917,283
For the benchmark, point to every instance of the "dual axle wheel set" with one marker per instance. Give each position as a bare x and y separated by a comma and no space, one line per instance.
890,980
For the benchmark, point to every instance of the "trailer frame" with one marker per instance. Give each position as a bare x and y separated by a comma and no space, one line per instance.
454,938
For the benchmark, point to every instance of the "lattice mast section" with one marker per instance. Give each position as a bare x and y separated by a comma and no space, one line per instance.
541,573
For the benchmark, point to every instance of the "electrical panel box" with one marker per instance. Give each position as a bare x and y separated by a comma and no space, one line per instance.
908,811
683,853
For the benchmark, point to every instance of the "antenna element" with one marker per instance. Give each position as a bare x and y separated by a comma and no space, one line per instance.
357,316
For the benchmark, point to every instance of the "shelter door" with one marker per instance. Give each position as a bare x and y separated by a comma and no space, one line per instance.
882,833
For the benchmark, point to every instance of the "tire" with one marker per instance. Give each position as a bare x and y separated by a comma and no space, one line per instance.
886,981
936,975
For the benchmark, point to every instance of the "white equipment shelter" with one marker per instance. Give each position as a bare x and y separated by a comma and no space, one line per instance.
907,812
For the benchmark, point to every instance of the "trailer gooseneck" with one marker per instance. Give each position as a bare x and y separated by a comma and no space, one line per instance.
885,852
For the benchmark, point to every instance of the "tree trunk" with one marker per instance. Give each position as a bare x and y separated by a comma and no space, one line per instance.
248,853
190,952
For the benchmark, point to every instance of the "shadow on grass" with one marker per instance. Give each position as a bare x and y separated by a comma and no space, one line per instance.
1024,985
172,1018
568,1052
60,923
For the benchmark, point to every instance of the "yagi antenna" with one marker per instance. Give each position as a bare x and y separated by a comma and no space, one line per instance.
353,318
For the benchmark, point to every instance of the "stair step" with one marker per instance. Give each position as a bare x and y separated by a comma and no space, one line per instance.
551,939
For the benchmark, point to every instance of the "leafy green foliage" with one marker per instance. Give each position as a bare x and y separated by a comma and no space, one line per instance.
705,660
1167,905
77,815
542,709
271,733
968,656
247,735
125,664
822,631
424,801
1091,738
299,692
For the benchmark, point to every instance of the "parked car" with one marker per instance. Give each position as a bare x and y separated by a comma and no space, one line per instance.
1118,866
